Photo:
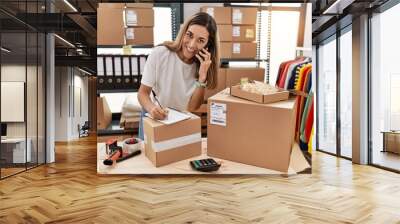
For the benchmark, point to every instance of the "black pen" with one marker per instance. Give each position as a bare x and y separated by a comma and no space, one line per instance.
155,97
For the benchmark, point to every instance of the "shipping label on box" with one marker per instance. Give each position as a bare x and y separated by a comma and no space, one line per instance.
218,114
236,31
236,48
249,33
237,16
130,33
131,17
210,11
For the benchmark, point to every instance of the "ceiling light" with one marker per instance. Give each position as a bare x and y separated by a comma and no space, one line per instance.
70,5
338,6
5,50
84,71
64,40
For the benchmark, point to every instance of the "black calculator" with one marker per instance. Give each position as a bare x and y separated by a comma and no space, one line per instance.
205,165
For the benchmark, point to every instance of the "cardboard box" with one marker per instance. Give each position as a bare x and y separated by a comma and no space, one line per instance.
259,98
243,33
104,114
244,15
139,36
251,133
225,32
233,75
139,5
165,144
225,49
244,50
221,15
139,17
110,26
221,84
112,5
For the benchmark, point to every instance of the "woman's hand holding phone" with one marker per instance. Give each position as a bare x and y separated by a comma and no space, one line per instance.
205,61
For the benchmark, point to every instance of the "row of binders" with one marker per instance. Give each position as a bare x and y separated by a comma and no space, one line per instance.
119,72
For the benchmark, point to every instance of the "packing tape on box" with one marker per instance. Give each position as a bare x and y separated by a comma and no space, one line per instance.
175,142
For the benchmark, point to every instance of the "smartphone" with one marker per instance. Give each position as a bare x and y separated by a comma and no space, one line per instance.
209,47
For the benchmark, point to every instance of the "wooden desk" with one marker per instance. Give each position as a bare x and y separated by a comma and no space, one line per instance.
142,165
391,141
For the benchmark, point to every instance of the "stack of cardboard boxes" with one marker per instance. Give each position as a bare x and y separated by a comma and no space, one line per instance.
139,23
237,31
125,24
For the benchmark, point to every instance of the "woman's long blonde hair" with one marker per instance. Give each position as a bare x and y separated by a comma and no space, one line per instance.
202,19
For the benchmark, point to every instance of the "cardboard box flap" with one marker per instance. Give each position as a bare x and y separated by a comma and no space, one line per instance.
297,161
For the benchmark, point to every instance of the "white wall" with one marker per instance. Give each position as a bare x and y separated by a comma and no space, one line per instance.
68,82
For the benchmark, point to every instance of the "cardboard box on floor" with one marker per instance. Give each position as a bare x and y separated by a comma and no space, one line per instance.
221,15
244,50
110,26
251,133
244,15
139,36
165,144
104,114
233,75
243,33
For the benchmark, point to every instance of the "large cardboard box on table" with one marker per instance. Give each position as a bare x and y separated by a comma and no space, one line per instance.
243,33
139,36
244,16
165,144
221,84
110,26
244,50
221,15
233,75
251,133
104,114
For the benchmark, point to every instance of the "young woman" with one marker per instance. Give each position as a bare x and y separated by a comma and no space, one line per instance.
177,72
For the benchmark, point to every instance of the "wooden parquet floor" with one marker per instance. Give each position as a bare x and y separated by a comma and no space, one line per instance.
70,191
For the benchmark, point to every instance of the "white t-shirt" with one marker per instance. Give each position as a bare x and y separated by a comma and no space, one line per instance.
172,80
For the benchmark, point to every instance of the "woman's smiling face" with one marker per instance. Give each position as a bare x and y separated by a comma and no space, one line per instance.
195,38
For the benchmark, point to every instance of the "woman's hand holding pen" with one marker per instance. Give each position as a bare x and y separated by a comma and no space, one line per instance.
158,113
205,61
